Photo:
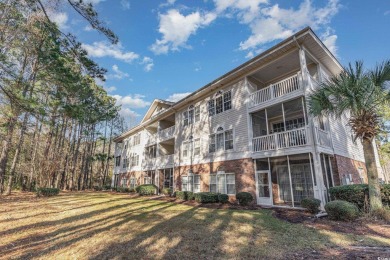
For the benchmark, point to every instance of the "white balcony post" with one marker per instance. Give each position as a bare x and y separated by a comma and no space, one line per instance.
302,62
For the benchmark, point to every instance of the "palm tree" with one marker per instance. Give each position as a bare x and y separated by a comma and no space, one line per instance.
359,94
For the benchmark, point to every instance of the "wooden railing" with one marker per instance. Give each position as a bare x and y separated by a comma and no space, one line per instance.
291,138
166,133
275,90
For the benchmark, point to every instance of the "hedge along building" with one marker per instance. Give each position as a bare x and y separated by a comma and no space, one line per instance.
248,130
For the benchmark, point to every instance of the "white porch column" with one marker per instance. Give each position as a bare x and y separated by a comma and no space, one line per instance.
304,71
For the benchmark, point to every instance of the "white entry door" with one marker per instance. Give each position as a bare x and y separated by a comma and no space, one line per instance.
264,188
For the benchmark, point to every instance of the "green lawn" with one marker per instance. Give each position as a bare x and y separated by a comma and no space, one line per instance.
93,225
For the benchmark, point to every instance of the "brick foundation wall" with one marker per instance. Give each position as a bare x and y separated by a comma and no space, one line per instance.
243,169
343,166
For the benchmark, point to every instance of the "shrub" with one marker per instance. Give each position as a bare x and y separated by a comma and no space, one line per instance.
223,198
146,189
244,198
47,192
342,210
206,197
383,213
311,204
385,189
97,188
356,194
190,195
184,195
106,187
167,191
122,189
132,190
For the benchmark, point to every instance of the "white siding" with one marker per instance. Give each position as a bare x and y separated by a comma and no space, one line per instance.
234,118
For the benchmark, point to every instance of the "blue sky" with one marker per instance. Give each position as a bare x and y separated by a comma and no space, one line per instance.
170,48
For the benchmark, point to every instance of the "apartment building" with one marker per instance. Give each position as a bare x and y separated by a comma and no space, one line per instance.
249,130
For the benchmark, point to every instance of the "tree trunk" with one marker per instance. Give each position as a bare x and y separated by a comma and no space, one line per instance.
372,174
16,156
5,151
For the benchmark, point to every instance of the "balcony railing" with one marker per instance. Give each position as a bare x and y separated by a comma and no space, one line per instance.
323,138
151,139
166,133
291,138
166,159
276,90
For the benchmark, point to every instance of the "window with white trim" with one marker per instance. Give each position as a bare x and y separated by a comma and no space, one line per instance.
197,147
134,159
222,140
137,139
191,148
118,161
191,115
186,149
125,163
133,182
222,102
222,182
190,183
124,182
126,142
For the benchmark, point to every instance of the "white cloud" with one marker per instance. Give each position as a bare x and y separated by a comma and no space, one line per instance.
110,89
59,18
125,4
104,49
272,22
131,101
118,74
88,28
176,29
148,63
127,113
329,39
177,96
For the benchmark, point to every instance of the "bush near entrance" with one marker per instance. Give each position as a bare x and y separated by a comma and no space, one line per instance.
342,210
311,204
206,197
184,195
244,198
358,194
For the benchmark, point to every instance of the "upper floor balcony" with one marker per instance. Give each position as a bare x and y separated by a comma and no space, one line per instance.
276,90
285,125
166,133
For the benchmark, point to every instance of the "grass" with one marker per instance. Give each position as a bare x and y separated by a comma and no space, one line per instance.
102,225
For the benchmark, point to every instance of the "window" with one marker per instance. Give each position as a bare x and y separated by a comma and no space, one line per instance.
124,182
133,182
222,102
228,139
186,147
185,118
227,100
218,105
118,161
125,163
134,160
223,183
147,180
197,113
196,147
126,144
222,140
137,139
190,183
192,115
211,105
